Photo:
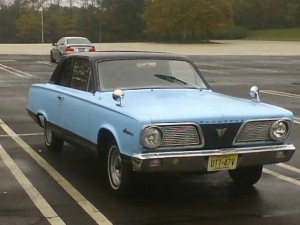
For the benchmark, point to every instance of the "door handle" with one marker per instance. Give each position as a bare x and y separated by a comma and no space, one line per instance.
60,97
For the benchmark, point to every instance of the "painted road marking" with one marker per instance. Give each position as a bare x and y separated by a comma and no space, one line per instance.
15,71
238,67
87,206
23,135
297,120
31,191
46,63
288,167
282,177
279,93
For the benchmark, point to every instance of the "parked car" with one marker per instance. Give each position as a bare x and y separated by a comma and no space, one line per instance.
147,112
67,45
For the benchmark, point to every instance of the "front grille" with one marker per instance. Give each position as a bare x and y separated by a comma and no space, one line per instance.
215,139
255,131
181,135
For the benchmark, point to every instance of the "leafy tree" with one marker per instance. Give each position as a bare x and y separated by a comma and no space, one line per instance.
293,13
121,19
182,18
58,22
29,26
87,22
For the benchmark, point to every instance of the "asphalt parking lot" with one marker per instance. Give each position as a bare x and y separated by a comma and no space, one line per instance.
39,187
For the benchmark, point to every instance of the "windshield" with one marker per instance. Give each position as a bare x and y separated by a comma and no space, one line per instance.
148,73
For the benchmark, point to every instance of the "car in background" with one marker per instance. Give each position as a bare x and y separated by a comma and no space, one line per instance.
67,45
148,112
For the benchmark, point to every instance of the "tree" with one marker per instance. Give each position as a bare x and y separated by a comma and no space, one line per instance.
183,18
59,22
29,26
121,19
293,13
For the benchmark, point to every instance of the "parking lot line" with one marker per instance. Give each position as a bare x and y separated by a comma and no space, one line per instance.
288,167
297,120
279,93
282,177
15,71
87,206
42,205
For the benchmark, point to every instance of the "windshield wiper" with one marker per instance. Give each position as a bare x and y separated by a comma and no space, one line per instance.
175,79
171,79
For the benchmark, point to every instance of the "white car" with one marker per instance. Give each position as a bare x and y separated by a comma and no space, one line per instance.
67,45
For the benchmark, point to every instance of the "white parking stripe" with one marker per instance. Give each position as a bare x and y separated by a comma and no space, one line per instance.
19,75
279,93
288,167
23,135
31,191
297,120
282,177
46,63
15,71
87,206
239,67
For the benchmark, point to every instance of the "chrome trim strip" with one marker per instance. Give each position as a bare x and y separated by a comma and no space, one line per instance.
289,121
213,152
159,125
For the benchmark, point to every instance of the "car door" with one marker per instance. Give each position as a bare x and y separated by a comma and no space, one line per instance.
75,101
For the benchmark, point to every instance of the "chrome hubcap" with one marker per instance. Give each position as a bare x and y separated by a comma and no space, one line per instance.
48,134
115,168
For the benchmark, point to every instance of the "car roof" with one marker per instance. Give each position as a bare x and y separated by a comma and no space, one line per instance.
75,37
111,55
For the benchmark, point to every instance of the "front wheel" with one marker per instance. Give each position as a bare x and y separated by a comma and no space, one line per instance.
52,142
118,172
247,176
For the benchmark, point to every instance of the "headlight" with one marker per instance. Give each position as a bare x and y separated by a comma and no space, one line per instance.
279,130
151,137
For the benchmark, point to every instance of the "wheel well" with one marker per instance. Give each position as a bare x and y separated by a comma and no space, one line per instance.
40,119
105,137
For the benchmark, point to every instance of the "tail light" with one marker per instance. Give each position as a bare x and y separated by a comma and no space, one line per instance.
69,49
92,49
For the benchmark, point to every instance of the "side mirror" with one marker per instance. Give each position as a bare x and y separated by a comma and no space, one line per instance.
118,96
254,93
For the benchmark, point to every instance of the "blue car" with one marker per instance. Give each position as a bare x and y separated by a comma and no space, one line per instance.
147,112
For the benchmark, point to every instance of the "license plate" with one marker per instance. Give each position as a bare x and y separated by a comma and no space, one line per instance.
224,162
81,50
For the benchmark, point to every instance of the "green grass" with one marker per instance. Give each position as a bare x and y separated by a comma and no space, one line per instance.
275,35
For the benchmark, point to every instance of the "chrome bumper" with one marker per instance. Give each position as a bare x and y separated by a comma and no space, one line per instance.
196,161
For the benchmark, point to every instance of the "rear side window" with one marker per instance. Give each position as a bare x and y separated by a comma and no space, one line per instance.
81,74
76,73
66,73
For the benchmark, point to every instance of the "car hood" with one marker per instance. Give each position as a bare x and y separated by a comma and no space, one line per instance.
193,105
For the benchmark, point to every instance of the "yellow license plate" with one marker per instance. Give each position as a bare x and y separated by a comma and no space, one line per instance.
224,162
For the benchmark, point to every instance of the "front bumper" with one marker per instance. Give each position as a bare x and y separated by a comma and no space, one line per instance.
197,161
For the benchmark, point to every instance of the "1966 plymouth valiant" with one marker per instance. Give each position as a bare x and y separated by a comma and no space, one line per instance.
147,112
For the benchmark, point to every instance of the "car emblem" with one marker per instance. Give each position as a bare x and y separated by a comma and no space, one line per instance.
221,132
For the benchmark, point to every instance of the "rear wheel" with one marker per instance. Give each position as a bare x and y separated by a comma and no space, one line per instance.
247,176
118,172
51,57
52,142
